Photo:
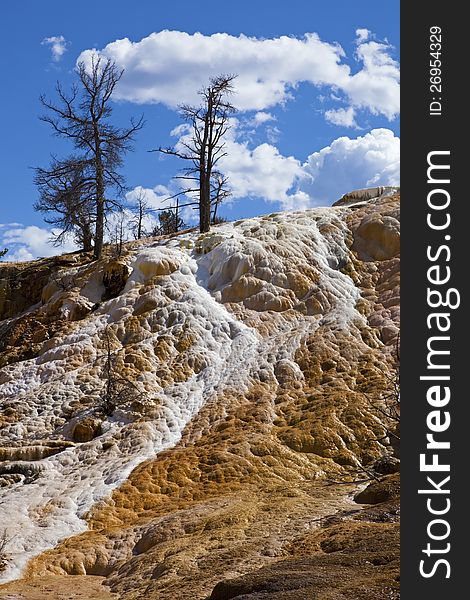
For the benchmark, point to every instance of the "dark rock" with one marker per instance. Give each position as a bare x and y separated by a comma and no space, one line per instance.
386,465
384,490
115,276
86,430
21,287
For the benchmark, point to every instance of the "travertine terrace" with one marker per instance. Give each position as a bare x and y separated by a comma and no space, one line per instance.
253,359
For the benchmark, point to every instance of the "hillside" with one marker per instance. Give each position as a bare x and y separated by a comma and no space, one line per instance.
190,419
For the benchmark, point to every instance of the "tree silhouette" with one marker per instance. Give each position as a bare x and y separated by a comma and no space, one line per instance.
83,117
66,197
204,148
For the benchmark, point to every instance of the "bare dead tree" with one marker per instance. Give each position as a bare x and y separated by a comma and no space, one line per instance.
110,380
5,539
205,147
118,234
66,197
63,280
391,400
82,116
141,209
219,192
386,404
117,388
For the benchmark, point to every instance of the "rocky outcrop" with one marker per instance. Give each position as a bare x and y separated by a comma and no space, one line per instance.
115,275
22,284
19,289
86,429
254,359
379,491
348,561
42,449
351,556
366,194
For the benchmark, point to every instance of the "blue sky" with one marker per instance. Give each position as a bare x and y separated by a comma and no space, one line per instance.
318,114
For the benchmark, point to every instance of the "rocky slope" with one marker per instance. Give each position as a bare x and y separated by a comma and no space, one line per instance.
183,420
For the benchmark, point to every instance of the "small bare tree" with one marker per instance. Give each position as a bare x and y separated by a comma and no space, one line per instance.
386,406
389,404
117,389
117,232
83,117
141,210
5,539
386,403
205,147
219,192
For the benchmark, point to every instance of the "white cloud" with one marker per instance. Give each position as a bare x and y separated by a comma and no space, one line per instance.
170,66
154,197
29,242
376,86
348,164
362,35
262,172
273,134
179,130
260,118
57,44
21,254
342,116
10,225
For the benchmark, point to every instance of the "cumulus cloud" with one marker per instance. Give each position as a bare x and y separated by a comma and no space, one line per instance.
342,116
57,45
262,172
346,164
170,66
376,86
29,242
352,163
